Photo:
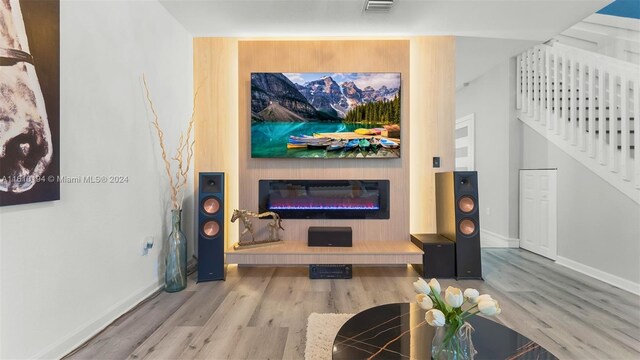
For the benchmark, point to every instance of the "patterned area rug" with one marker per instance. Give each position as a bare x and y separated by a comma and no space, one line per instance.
321,330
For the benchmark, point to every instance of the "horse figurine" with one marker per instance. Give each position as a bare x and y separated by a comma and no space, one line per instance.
274,225
243,215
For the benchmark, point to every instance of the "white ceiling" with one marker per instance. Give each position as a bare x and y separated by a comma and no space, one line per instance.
536,20
489,32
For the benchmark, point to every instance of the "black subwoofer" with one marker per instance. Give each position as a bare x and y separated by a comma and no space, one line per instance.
210,212
458,219
439,257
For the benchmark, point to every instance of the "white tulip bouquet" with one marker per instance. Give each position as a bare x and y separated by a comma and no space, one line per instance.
452,310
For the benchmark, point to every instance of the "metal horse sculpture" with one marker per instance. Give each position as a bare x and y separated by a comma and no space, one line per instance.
274,226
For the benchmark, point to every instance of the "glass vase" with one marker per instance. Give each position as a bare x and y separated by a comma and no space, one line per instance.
453,344
175,275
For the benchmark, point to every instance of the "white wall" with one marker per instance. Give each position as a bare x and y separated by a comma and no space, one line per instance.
70,267
488,97
598,226
475,56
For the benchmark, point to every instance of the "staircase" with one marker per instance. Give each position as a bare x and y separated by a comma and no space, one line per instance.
587,104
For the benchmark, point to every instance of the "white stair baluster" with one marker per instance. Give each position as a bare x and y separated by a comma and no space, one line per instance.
592,110
573,97
636,131
565,96
556,90
548,82
613,124
602,105
625,154
530,82
536,85
582,129
540,82
519,77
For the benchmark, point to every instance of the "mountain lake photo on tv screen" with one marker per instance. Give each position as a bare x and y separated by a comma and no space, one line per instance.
325,115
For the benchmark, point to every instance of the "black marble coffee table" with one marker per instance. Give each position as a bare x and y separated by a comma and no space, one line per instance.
366,332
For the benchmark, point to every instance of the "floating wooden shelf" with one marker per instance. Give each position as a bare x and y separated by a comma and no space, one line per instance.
298,253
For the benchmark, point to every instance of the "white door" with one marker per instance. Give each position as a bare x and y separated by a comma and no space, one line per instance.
465,144
538,212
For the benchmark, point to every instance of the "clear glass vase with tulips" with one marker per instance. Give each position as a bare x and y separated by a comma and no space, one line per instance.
448,313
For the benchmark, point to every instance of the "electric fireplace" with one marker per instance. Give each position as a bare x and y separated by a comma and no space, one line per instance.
325,199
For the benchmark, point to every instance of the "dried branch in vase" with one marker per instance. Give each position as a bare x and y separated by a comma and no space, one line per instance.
177,180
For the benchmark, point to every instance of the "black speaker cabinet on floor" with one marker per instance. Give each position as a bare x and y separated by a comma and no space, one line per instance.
210,210
458,219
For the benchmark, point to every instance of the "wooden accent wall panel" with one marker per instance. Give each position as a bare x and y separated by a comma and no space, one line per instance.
432,123
427,65
327,56
215,65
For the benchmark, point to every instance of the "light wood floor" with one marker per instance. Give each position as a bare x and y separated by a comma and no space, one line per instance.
261,312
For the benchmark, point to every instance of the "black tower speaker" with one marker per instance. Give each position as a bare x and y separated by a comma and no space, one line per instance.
210,210
458,219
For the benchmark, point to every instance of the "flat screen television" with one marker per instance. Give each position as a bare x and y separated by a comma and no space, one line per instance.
325,115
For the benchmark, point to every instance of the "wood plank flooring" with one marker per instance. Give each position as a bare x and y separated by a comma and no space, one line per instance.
261,312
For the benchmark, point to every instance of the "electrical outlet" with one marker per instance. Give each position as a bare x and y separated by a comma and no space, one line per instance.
147,244
143,248
150,241
488,211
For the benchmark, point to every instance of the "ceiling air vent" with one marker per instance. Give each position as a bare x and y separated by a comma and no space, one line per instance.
378,5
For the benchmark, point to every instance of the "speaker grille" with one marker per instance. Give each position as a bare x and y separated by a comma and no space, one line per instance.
211,205
210,228
467,227
466,204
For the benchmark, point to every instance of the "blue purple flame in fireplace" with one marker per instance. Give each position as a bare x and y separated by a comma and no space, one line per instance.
369,202
325,199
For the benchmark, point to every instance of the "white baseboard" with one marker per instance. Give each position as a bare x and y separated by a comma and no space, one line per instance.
614,280
489,239
84,332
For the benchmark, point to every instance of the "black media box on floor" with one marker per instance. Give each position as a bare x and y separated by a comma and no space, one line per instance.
329,236
439,259
330,271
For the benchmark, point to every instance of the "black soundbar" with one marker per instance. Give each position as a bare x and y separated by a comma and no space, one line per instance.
330,271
